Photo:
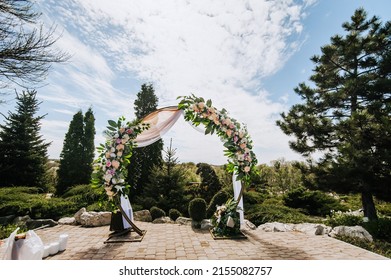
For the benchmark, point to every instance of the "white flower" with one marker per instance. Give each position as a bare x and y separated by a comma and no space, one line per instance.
119,188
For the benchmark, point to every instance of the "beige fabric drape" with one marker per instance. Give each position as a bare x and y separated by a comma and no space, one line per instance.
160,122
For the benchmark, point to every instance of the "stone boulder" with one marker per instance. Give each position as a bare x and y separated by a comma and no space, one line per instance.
142,216
275,227
183,221
249,225
33,224
78,214
312,229
5,220
67,221
206,224
163,220
356,232
95,219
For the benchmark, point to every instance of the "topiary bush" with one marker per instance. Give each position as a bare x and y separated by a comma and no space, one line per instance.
174,214
218,199
156,212
197,209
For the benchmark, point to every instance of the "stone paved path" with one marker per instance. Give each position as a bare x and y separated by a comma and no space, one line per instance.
174,241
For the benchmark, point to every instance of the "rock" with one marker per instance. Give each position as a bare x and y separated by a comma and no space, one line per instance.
33,224
249,225
6,219
78,215
275,227
142,216
356,232
21,221
67,221
312,229
95,219
163,220
206,224
183,221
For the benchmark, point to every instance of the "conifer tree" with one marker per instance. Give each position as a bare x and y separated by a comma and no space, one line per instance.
145,158
88,146
23,152
346,115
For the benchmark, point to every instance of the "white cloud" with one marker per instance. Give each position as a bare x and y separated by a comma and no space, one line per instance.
216,49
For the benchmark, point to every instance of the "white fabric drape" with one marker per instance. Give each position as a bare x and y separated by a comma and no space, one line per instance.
128,211
160,122
237,188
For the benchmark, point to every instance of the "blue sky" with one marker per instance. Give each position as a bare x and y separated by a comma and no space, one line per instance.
247,56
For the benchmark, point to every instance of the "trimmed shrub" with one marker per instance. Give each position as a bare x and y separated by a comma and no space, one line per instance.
174,214
380,229
218,199
197,209
344,219
156,212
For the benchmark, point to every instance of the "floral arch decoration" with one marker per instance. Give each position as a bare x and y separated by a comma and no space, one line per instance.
110,168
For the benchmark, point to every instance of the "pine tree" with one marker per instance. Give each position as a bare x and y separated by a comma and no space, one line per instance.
23,152
71,157
145,158
347,114
166,185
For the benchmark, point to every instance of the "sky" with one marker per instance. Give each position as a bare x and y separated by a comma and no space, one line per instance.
246,56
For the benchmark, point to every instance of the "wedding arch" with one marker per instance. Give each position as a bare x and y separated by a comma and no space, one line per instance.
110,168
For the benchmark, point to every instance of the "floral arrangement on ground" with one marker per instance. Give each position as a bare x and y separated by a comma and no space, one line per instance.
226,221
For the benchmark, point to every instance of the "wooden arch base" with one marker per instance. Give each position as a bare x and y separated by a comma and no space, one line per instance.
125,235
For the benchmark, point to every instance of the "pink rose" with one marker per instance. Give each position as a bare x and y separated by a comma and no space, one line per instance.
247,169
108,163
229,132
120,147
243,146
129,131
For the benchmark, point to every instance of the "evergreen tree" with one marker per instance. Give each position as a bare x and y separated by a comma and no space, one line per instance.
88,146
210,183
347,114
71,157
23,152
145,158
166,186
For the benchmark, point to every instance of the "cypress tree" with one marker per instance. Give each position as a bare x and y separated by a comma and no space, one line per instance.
78,152
71,157
23,152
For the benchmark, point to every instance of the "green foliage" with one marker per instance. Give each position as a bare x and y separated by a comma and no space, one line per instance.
377,246
218,199
270,211
253,198
346,115
197,209
379,229
23,152
144,159
210,183
166,185
21,201
5,231
314,203
280,176
78,152
174,214
339,218
157,212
